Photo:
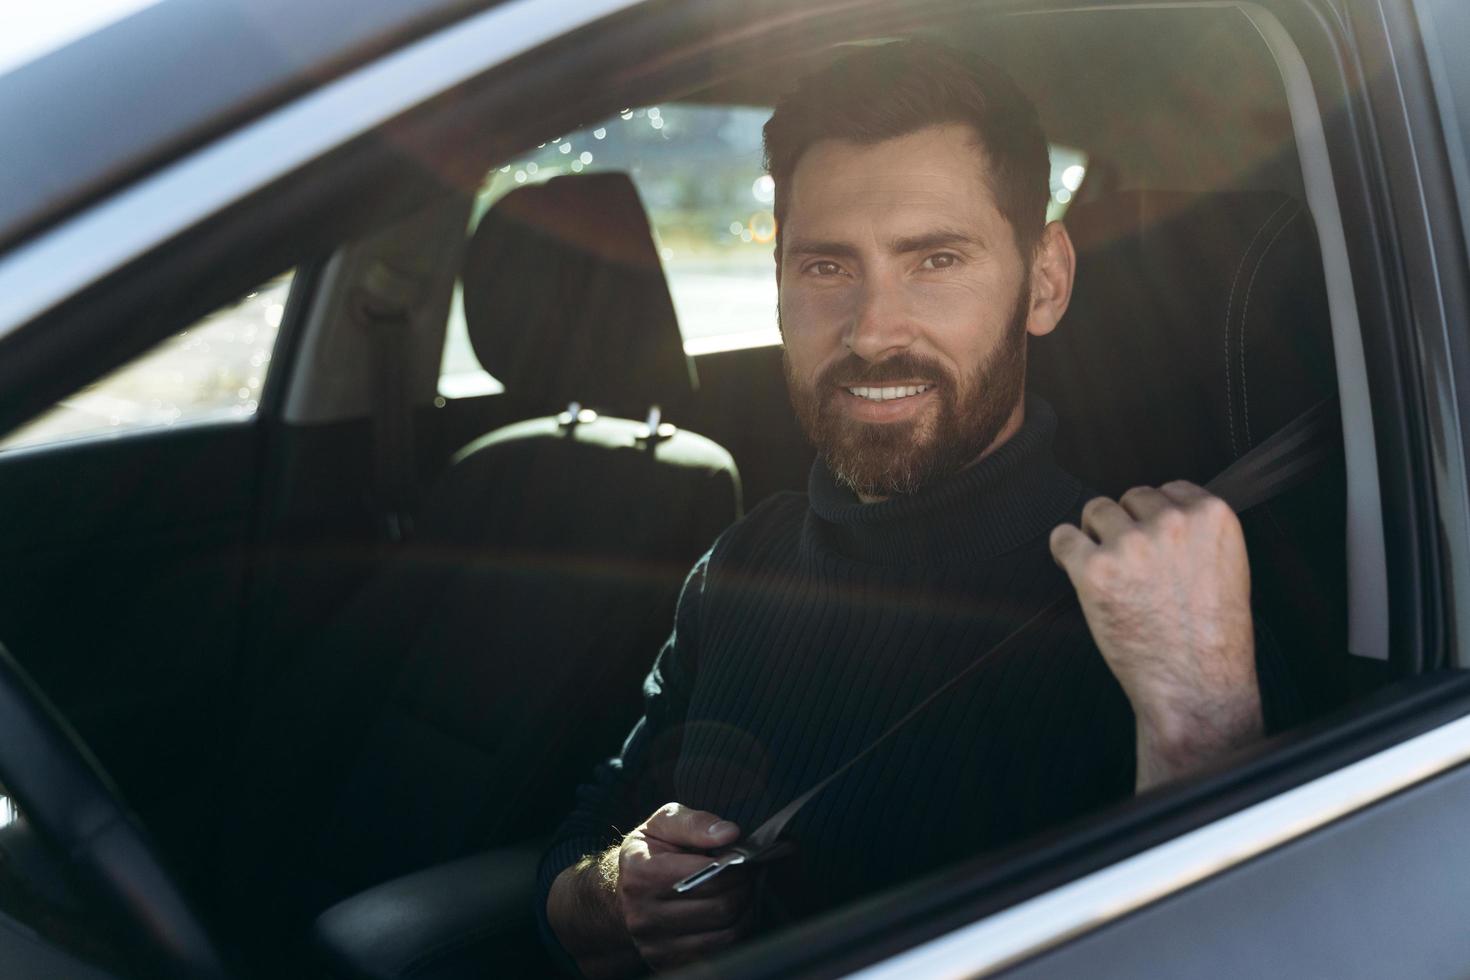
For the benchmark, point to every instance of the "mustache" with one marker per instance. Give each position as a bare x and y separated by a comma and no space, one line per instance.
853,370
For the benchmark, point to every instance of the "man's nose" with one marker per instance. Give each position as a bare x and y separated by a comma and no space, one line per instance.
881,323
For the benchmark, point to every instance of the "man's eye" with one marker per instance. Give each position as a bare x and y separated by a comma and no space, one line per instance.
940,260
825,268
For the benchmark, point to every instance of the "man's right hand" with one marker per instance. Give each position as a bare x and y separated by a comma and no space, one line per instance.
625,897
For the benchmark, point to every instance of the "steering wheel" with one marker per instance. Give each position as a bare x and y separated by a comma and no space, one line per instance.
64,793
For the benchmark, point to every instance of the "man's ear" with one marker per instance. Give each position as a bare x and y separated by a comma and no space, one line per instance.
777,253
1053,267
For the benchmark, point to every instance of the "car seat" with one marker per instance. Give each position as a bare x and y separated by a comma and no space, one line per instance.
458,700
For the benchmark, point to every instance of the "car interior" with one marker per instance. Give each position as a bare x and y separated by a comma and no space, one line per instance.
347,653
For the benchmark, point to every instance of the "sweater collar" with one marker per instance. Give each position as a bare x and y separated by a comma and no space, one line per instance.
1012,496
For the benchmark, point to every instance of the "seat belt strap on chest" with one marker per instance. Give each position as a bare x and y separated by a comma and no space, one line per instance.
383,305
1285,459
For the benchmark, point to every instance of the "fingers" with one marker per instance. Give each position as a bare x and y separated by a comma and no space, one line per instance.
675,951
1103,519
657,866
690,829
1145,503
652,879
672,916
1069,546
729,881
667,928
670,846
1107,524
1186,494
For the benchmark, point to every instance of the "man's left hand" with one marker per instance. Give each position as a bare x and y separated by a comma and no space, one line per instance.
1164,583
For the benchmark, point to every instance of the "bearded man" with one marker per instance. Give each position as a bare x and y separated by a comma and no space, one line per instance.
914,260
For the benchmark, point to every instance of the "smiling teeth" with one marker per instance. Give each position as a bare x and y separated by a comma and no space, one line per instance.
889,393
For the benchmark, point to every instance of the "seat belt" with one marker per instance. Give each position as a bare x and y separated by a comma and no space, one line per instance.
1285,459
383,305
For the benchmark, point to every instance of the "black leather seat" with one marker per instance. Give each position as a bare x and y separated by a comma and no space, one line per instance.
1199,326
458,700
565,298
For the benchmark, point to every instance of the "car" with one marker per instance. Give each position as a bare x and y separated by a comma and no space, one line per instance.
351,467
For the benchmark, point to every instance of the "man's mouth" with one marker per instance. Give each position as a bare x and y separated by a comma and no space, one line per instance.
887,393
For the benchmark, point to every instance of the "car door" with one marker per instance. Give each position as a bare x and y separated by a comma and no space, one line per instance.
125,571
158,512
1284,862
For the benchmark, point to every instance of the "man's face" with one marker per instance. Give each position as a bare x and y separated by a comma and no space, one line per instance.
904,305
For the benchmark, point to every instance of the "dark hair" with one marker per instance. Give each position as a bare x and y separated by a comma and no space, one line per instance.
885,91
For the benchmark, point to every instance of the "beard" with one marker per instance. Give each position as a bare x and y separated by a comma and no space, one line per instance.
889,459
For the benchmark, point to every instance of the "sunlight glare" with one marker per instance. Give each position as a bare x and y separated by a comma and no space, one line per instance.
32,30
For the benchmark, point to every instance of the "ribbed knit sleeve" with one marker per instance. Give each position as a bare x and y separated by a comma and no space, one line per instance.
616,799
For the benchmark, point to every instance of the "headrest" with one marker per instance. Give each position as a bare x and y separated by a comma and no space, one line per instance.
565,300
1198,326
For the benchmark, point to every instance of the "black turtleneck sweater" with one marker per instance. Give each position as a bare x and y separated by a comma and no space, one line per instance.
816,622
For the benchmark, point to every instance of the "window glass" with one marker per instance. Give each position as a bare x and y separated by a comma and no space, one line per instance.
214,370
460,374
1068,167
709,201
698,170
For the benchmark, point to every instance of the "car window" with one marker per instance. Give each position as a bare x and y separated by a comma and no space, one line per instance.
710,209
213,370
709,202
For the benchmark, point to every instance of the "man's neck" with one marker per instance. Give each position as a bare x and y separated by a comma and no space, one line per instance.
1012,426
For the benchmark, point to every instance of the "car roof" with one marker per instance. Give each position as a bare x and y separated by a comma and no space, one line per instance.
154,85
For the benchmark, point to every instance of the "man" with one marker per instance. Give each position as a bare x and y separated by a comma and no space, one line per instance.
913,261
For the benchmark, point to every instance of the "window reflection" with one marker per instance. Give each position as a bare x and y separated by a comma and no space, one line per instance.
710,203
213,370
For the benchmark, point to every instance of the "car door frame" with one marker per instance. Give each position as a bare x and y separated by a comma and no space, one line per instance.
191,238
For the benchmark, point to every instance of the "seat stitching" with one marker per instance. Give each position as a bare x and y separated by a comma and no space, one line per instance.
1229,305
1245,392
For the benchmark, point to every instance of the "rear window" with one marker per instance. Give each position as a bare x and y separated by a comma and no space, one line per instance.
710,203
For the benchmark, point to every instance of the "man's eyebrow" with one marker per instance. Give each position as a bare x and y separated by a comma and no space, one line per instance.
804,247
939,238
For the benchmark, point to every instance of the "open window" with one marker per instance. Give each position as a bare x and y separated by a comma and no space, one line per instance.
697,167
1219,205
1193,160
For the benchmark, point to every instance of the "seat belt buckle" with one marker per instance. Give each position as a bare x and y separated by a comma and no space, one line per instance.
731,858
